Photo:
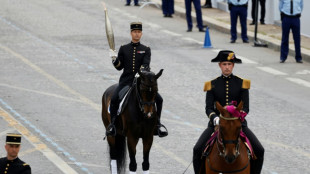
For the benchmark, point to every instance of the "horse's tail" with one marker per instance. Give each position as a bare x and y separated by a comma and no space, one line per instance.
119,153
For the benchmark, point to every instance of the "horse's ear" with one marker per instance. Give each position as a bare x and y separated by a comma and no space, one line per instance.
159,74
219,107
240,106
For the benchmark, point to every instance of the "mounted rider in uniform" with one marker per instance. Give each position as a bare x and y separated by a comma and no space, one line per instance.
131,58
225,89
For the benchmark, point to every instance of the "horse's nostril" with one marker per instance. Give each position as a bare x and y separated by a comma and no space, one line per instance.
230,158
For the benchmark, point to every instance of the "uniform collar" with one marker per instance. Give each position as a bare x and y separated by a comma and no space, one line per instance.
14,160
135,44
227,77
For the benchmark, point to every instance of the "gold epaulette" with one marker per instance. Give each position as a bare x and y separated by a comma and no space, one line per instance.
25,164
208,86
246,84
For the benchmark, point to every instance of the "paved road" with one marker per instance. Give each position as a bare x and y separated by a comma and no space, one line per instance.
55,67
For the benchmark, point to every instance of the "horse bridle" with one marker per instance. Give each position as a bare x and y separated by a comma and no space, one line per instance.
222,142
141,102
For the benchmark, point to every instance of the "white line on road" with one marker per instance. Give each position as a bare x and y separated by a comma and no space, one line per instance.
40,92
299,81
171,33
271,70
192,40
246,60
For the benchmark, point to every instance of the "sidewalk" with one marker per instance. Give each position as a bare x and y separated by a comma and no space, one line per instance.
220,20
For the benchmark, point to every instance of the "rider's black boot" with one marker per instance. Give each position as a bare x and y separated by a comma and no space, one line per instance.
161,129
159,126
111,130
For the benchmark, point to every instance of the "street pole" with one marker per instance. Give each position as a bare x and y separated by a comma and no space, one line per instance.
257,43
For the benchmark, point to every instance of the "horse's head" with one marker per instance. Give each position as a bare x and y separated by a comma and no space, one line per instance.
148,89
229,130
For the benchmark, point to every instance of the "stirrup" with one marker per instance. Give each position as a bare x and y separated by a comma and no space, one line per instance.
162,133
111,130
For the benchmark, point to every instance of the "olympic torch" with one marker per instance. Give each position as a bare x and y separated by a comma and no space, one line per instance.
108,29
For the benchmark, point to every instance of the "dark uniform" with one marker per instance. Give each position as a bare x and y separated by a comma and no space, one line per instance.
238,8
225,90
15,166
290,17
262,12
131,58
188,6
135,1
168,7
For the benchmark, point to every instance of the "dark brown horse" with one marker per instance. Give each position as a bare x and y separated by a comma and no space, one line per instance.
138,120
229,153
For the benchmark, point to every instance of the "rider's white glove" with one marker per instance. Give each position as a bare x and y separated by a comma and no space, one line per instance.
216,121
112,54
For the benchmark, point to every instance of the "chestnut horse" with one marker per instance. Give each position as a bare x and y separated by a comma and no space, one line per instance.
138,120
229,153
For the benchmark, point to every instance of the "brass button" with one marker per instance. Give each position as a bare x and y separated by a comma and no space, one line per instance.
227,89
226,103
134,47
226,85
226,81
226,96
226,92
8,165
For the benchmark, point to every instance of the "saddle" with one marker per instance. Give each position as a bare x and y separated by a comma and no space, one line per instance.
123,97
211,141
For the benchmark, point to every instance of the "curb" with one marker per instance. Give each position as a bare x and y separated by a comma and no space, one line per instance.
212,23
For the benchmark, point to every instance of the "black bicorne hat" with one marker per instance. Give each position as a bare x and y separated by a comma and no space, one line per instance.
13,138
226,55
136,26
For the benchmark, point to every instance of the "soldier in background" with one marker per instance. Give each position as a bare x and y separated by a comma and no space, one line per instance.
11,164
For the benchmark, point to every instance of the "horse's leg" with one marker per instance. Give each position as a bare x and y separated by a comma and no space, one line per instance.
147,144
132,143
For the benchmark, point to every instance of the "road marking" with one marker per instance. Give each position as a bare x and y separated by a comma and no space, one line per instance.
271,70
34,141
303,72
42,93
292,148
50,77
168,153
171,33
47,44
299,81
192,40
246,60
